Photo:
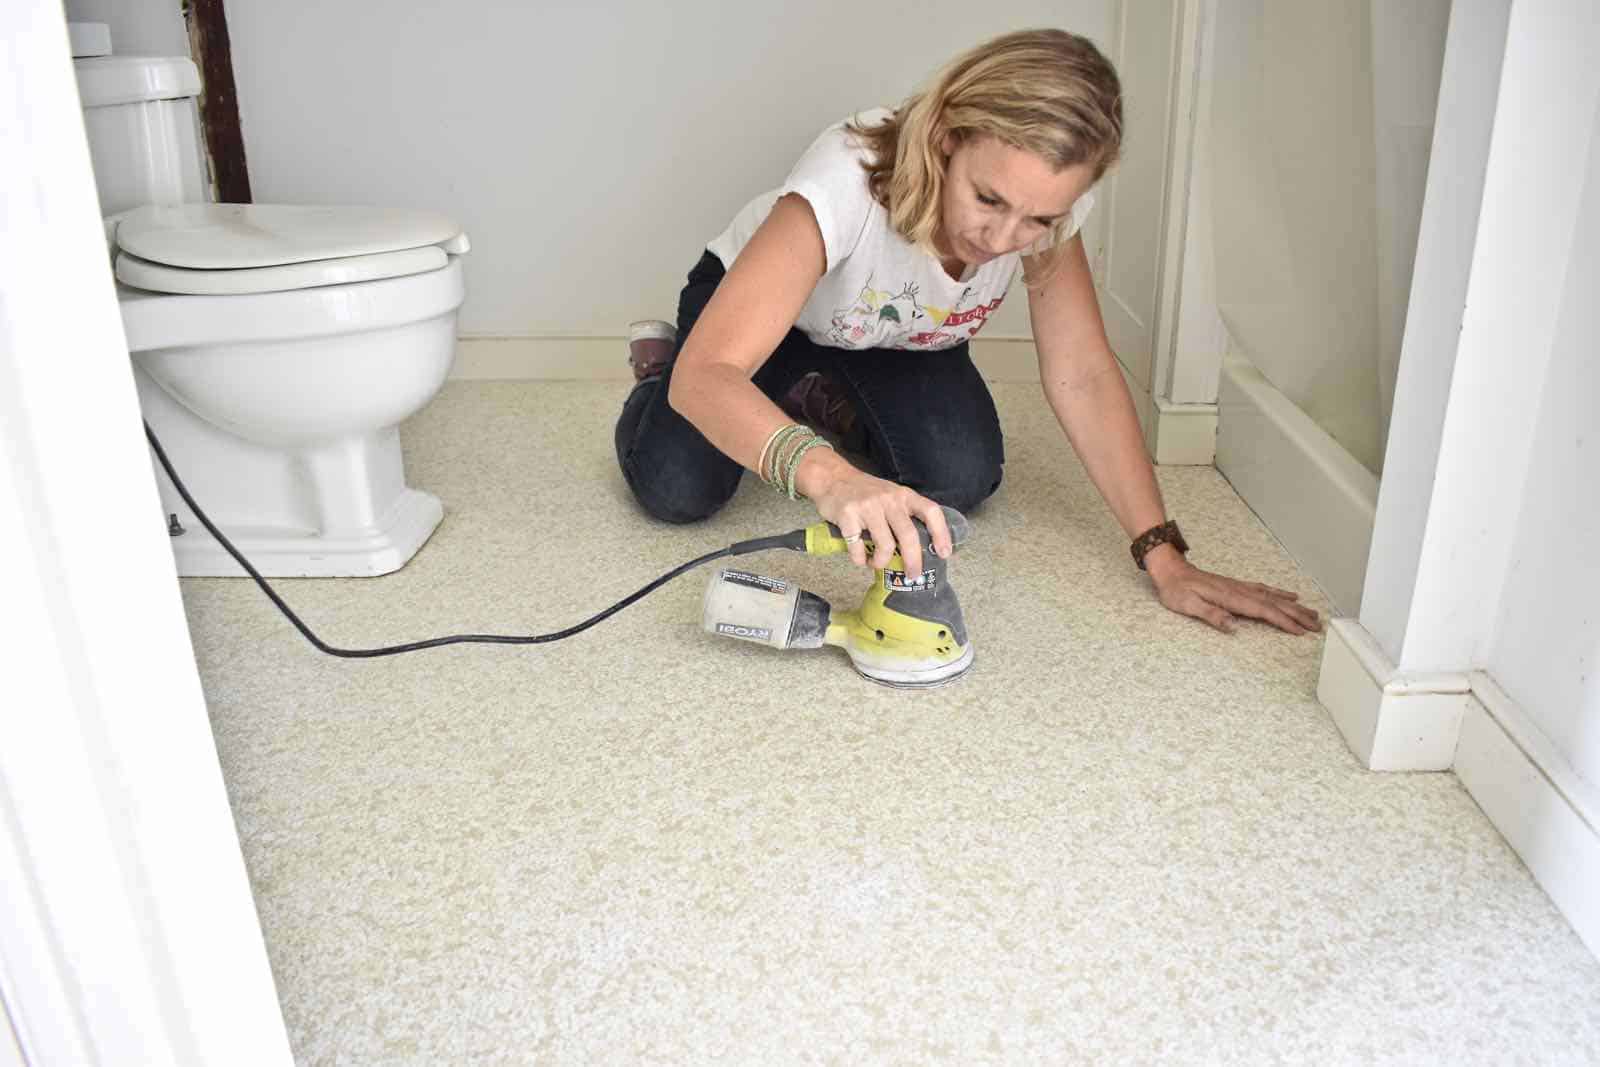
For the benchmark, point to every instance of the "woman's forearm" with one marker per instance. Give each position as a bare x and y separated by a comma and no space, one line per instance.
1098,418
723,404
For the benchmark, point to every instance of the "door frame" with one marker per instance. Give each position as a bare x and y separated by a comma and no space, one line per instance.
130,932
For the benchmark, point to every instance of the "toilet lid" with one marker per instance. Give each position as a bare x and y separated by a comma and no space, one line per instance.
248,236
160,278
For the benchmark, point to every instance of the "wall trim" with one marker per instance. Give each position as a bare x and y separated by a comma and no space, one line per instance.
219,100
1466,723
1185,434
129,932
1540,805
1391,721
542,357
1307,489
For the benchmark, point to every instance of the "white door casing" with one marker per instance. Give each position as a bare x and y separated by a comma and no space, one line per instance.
129,933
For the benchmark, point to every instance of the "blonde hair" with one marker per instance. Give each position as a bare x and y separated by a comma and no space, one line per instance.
1048,92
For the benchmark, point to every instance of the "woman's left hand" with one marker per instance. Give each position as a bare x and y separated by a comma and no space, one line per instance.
1220,600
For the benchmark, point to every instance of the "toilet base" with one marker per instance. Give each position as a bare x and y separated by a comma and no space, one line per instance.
406,527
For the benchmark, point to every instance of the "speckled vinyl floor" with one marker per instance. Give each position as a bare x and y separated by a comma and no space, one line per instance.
1124,837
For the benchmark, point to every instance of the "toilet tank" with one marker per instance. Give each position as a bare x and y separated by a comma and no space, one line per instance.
142,120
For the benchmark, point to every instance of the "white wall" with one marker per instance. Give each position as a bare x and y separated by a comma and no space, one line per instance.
1464,123
1322,115
591,150
1313,128
1408,42
1546,650
1128,269
138,27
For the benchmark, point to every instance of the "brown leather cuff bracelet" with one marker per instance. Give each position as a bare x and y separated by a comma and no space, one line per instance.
1165,534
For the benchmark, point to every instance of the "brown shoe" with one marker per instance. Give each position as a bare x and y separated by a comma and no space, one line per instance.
819,401
652,344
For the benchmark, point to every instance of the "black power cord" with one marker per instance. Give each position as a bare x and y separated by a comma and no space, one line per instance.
794,540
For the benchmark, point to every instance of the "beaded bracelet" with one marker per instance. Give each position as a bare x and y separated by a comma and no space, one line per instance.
815,441
782,458
761,464
766,451
782,438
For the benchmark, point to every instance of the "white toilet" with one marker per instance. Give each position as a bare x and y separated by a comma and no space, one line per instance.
276,348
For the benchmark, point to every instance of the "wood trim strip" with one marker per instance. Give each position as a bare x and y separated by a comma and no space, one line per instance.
219,104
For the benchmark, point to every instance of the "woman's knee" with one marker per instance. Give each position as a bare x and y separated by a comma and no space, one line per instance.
674,472
677,495
960,468
962,484
957,462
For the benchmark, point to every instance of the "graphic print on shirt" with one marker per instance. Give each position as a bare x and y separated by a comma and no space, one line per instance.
878,318
954,326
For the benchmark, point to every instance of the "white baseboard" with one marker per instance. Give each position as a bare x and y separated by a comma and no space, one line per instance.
1549,815
1311,493
555,357
546,358
1186,434
1176,435
1466,723
1392,722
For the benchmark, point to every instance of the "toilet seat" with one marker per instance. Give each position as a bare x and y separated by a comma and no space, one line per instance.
231,249
159,278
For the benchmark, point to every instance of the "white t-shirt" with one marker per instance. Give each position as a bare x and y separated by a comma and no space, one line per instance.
879,291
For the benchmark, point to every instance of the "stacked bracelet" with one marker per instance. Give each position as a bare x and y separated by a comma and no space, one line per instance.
766,449
814,441
780,457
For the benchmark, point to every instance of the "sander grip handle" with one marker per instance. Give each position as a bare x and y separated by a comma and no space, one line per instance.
960,529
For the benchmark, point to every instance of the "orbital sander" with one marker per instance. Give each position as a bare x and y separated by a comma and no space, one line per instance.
908,632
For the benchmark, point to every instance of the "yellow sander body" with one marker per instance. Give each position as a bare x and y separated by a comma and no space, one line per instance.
908,632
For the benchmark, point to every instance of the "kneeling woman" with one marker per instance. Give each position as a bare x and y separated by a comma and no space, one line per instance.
851,292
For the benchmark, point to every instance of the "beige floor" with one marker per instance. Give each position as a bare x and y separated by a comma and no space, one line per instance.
1124,837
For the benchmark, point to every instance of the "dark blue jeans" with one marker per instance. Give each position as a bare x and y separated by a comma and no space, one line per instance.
929,419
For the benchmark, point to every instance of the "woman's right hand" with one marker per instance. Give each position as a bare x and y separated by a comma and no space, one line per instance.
871,508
